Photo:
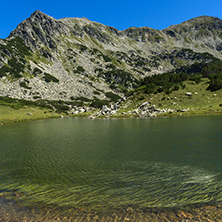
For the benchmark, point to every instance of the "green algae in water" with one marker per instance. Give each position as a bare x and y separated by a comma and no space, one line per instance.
143,185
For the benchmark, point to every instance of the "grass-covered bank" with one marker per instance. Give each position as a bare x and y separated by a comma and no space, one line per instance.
10,115
191,99
18,110
13,111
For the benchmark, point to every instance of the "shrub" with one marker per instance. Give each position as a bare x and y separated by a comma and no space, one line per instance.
106,58
110,66
96,92
119,76
99,103
83,99
49,78
18,43
15,68
196,78
176,88
146,69
130,93
92,78
112,86
150,88
183,86
215,83
36,71
160,89
112,96
168,91
24,85
79,69
4,70
82,47
36,97
141,98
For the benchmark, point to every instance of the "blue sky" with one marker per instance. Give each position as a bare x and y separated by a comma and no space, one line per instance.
119,14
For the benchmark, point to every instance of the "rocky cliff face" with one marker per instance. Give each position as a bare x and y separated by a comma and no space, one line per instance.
74,58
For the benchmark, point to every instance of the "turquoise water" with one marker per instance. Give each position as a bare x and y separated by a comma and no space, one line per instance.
93,164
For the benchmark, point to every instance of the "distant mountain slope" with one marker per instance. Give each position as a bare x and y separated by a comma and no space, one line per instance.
74,58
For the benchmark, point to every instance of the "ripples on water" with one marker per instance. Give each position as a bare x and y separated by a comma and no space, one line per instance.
144,185
97,164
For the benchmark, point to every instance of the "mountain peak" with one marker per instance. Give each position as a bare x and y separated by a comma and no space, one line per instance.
201,20
38,14
37,30
202,27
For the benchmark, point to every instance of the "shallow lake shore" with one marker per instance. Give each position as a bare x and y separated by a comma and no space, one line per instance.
14,211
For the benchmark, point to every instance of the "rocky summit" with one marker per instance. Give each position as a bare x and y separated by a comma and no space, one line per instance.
76,59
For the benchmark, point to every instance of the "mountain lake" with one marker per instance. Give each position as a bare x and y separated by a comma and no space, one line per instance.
56,168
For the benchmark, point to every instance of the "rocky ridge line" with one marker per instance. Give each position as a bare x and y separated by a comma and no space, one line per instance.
45,58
